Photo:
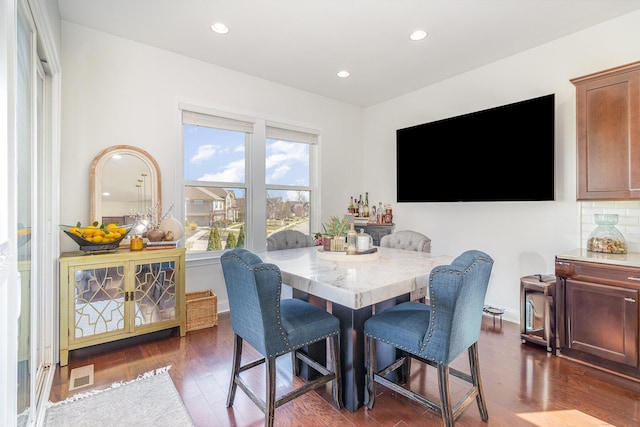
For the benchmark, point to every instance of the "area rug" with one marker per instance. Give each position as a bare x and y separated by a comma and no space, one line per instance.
150,400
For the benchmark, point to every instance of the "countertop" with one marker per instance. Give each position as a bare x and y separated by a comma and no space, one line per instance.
629,259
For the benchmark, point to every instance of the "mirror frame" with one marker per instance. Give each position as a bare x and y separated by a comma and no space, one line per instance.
95,177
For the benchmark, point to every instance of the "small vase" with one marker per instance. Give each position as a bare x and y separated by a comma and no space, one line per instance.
136,243
337,244
326,243
170,224
155,235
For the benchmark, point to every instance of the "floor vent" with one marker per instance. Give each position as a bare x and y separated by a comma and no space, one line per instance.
81,377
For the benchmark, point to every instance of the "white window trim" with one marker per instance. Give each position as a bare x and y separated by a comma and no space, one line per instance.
254,166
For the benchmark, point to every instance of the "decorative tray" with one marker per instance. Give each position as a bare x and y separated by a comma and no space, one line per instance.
370,255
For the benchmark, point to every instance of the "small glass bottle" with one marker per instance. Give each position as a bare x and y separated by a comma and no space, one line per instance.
606,237
380,213
352,240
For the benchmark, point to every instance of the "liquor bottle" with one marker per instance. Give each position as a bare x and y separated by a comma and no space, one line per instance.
380,213
352,208
366,204
360,207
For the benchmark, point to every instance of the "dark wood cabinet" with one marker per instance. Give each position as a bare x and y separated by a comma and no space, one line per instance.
376,231
598,312
608,134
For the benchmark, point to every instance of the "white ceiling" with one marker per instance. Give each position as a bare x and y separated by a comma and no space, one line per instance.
304,43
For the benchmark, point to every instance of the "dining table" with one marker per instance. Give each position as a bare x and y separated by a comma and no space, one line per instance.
353,287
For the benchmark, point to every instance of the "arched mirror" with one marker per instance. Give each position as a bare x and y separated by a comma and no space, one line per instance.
123,180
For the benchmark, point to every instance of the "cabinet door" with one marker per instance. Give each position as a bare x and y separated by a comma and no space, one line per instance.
602,321
154,293
98,301
377,232
608,125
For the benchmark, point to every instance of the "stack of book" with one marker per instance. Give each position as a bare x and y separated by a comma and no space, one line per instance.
162,245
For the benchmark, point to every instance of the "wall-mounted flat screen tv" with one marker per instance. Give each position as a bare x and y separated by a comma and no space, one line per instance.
504,153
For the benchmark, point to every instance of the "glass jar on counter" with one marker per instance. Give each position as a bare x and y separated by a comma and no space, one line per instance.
606,238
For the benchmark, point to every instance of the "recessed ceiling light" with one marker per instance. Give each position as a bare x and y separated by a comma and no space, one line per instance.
220,28
418,35
343,73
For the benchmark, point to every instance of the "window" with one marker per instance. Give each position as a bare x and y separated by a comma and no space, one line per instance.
241,171
288,179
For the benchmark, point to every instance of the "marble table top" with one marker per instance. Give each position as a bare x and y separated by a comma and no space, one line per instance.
355,284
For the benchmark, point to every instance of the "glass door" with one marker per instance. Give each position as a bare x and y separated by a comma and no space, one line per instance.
25,154
30,132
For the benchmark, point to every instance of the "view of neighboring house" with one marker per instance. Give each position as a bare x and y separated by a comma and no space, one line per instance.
212,206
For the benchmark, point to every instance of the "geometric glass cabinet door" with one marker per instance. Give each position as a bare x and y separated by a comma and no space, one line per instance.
99,301
155,292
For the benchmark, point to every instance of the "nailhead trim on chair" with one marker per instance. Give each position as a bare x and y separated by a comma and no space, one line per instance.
448,409
281,329
433,297
268,402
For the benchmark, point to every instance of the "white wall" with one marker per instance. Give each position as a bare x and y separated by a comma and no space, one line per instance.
119,92
523,238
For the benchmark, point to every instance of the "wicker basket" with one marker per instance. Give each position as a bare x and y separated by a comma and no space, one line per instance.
202,310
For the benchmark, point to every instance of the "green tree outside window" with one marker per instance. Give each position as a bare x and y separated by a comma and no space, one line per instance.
215,242
240,242
231,241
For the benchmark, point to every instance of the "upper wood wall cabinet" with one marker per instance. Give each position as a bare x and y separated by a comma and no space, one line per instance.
608,134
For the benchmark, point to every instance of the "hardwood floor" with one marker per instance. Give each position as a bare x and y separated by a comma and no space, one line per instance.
523,384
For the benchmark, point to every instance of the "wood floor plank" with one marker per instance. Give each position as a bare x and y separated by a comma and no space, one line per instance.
523,384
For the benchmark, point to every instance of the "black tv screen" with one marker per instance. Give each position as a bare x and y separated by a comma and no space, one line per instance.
504,153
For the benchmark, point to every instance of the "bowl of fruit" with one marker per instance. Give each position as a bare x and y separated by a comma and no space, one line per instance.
97,237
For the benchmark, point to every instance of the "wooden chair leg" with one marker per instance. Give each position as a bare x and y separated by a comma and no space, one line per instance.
235,370
405,372
371,367
445,395
294,364
334,344
474,367
270,397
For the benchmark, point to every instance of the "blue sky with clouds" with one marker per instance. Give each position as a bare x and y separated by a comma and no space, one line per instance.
218,155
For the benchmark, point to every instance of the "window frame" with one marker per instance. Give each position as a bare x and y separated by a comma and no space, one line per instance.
255,174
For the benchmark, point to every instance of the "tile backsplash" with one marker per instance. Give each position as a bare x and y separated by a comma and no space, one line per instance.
628,220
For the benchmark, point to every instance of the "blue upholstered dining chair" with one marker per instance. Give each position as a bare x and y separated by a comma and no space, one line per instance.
275,327
435,334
